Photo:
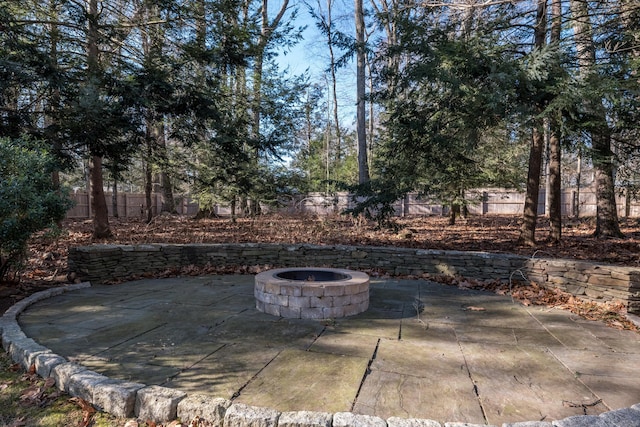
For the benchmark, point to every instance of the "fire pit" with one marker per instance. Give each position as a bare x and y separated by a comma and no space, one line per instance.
312,293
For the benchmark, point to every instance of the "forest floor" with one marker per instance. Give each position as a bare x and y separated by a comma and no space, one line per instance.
46,265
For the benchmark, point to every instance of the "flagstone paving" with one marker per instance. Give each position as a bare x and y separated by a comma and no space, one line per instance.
422,350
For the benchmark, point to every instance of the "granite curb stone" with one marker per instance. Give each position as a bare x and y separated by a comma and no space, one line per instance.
62,374
207,408
348,419
116,397
84,383
305,419
157,403
160,404
45,362
529,424
241,415
411,422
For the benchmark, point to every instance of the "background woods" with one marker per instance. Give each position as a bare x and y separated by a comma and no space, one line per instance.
198,98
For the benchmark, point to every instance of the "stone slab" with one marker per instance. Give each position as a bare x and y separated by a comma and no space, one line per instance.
302,380
225,372
523,384
419,380
345,344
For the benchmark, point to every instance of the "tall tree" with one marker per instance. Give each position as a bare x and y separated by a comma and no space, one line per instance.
555,151
530,217
361,82
438,116
101,227
326,25
596,124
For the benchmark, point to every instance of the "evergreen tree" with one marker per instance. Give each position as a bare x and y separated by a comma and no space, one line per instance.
440,109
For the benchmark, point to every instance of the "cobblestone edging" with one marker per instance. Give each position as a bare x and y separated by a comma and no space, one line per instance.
160,404
588,280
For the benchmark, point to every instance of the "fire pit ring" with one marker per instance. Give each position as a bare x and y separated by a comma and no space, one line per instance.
311,293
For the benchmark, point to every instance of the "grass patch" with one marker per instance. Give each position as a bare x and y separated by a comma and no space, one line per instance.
27,400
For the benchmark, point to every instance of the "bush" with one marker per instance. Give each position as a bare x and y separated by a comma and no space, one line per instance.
28,200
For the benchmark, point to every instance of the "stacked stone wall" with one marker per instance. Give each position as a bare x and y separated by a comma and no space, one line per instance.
588,280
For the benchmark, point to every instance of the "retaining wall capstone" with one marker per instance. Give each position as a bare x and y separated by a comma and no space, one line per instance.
587,280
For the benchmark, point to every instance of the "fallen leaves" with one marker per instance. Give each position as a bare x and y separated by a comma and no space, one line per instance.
527,294
38,393
87,411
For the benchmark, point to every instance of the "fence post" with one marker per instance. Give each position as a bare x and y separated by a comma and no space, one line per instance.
485,203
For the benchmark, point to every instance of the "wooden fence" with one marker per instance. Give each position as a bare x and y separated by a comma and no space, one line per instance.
488,202
128,205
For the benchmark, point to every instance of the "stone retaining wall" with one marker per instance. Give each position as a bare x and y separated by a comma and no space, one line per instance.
588,280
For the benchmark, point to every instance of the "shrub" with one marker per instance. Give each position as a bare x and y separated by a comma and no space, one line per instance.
28,200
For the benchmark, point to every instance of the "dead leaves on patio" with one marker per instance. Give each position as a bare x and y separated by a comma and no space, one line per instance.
527,294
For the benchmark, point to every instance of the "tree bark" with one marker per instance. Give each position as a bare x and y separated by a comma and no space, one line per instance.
266,31
363,164
148,184
555,152
101,227
607,224
530,216
606,212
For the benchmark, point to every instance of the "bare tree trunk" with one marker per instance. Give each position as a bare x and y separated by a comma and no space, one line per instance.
168,201
555,152
363,164
266,31
101,227
148,176
334,80
114,198
606,212
578,184
530,217
54,101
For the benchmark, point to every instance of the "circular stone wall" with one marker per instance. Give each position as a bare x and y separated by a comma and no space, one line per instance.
312,293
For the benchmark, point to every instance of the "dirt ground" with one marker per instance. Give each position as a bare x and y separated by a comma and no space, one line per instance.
46,265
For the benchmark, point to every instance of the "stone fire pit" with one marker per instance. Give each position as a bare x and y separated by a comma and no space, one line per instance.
312,293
